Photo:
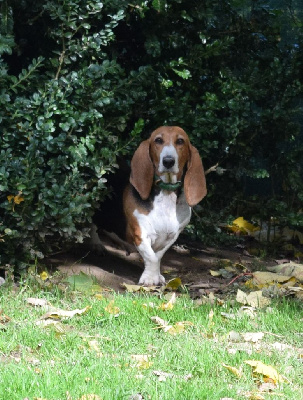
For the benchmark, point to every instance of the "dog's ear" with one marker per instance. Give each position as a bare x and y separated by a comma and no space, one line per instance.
142,170
194,181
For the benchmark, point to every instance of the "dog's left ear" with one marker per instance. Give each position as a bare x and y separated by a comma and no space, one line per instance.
194,181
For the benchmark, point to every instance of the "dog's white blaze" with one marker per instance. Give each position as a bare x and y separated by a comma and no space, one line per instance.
169,151
159,230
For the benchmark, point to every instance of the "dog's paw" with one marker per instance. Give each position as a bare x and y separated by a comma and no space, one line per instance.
149,279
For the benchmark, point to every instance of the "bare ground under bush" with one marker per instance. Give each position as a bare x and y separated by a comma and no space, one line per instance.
191,265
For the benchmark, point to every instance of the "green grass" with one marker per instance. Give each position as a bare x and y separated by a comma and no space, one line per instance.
41,363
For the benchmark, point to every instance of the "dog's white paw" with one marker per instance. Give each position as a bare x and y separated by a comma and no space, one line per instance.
149,279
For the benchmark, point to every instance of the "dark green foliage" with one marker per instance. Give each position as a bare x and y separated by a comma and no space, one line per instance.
79,80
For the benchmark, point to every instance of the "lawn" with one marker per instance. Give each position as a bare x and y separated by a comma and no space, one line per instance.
111,347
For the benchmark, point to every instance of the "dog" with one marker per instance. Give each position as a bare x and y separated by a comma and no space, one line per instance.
167,179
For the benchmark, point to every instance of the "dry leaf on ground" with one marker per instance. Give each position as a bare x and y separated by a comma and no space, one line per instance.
164,375
237,372
267,371
253,299
175,329
4,318
264,278
63,314
36,302
112,309
94,346
173,284
252,336
290,269
141,361
170,304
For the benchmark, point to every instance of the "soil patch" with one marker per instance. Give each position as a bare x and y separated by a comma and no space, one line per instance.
191,263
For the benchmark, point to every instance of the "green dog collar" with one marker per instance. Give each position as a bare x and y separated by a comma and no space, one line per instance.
170,187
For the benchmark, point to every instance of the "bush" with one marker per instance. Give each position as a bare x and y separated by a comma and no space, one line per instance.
56,145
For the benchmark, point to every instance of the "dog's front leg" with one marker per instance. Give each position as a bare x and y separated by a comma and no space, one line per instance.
151,275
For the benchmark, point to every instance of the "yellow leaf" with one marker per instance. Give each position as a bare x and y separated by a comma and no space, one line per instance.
233,370
215,273
175,329
44,275
141,361
18,198
173,284
262,278
90,397
10,197
131,288
266,370
112,309
241,225
94,346
169,305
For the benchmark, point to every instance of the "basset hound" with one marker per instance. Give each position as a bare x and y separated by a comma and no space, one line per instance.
167,179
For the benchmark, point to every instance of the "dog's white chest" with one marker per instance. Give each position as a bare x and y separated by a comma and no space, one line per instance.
166,220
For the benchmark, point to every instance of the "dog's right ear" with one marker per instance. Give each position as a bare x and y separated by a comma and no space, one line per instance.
142,170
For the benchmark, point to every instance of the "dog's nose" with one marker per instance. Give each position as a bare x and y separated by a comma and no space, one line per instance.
168,162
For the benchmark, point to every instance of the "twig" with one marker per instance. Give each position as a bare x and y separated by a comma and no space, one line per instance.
211,169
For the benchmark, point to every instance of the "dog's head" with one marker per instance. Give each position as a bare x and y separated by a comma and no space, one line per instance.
169,155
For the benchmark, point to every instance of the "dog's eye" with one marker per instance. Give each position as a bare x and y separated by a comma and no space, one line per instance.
159,140
180,141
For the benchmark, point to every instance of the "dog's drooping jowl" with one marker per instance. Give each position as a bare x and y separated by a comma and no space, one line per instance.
167,178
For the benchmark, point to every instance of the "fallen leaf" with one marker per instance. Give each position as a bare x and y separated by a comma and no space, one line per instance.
57,326
62,314
228,315
175,329
247,311
267,387
290,269
169,305
4,318
215,273
240,225
44,275
173,284
234,336
137,396
131,288
233,370
254,299
94,346
112,309
164,375
266,370
141,361
90,397
262,278
252,336
36,302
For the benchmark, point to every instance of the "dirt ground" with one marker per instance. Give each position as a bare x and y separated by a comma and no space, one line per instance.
191,262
